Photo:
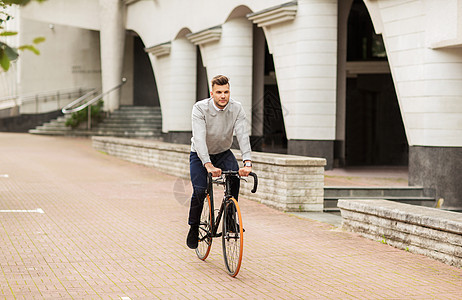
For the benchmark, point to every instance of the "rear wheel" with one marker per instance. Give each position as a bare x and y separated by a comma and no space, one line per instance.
205,230
232,237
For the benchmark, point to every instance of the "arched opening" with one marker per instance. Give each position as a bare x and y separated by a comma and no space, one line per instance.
374,130
144,82
268,130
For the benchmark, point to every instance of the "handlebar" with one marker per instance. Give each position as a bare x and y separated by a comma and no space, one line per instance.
235,173
255,182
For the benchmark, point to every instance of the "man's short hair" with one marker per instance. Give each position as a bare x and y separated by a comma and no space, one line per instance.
220,80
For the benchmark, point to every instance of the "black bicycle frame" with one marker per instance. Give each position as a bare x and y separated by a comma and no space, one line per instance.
227,196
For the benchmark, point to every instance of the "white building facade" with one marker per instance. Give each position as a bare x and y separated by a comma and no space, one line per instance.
309,73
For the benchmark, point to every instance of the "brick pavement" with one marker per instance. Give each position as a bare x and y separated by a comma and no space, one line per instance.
116,230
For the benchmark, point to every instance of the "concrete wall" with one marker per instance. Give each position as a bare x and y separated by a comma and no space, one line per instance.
289,183
25,122
81,13
68,58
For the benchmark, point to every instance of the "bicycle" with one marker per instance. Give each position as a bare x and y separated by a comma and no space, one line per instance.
232,228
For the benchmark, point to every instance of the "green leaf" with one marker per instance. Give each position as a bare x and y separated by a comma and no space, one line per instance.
30,48
4,61
39,40
19,2
11,53
8,33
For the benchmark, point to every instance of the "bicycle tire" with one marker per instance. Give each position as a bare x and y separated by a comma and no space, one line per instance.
205,230
232,237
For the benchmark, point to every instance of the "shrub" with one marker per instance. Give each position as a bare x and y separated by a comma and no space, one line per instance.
79,117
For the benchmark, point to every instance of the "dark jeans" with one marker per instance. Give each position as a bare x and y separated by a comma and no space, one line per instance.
226,162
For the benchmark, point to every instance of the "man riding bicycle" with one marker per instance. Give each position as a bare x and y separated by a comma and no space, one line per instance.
213,122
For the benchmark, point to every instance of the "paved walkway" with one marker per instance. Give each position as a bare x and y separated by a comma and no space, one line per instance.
115,230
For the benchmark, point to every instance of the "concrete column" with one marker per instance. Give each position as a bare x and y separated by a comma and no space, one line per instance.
342,33
175,67
232,56
305,59
112,37
181,90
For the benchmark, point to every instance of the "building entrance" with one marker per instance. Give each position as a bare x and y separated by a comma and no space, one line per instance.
144,83
374,130
268,129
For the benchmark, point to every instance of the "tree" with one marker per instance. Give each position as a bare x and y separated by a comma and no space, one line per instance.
9,53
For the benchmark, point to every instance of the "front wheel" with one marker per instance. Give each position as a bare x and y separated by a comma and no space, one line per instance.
232,237
205,230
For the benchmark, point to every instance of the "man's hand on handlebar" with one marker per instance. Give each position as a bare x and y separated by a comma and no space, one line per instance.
244,172
216,172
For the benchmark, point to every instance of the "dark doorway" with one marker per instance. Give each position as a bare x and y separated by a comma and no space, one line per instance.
374,133
144,83
202,85
275,138
268,130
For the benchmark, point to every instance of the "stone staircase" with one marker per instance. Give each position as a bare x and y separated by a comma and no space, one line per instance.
127,121
405,194
132,121
54,127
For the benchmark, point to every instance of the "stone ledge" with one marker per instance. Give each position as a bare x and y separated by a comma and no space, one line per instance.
159,50
287,182
274,15
423,230
418,215
268,158
205,36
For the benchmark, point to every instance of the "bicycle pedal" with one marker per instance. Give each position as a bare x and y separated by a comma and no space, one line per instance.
236,231
218,234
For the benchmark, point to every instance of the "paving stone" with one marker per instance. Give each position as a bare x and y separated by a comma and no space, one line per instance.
113,229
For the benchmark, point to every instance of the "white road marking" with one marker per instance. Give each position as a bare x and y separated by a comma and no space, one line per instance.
38,210
4,176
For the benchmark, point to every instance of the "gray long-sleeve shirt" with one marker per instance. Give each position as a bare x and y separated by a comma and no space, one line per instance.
212,130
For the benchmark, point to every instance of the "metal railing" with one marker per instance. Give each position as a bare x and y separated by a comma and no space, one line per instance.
58,96
68,109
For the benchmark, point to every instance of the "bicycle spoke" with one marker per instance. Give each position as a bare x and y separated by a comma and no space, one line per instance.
205,230
232,229
232,237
